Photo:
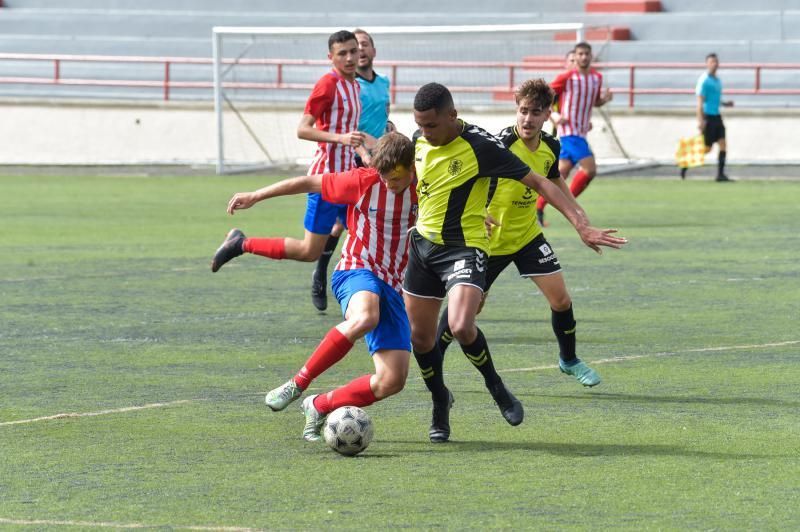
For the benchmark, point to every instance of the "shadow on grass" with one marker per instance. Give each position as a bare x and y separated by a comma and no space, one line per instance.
569,449
636,398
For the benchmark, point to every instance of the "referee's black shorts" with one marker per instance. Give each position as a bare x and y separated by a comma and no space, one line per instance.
714,129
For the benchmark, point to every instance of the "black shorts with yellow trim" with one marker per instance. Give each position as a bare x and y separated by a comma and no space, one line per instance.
434,269
535,258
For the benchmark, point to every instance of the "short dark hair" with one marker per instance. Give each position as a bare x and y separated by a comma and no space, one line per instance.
392,149
571,51
340,37
433,96
364,32
536,90
583,44
712,54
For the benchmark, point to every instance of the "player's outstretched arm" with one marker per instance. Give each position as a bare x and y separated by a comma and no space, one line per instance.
591,236
287,187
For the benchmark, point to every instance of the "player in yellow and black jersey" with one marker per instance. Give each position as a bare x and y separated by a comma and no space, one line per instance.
518,237
448,249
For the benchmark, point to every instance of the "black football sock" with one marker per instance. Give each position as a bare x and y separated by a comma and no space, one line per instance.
430,364
721,165
478,353
444,336
325,258
564,329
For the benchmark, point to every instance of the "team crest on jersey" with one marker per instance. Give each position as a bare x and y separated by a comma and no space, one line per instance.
528,193
423,188
455,167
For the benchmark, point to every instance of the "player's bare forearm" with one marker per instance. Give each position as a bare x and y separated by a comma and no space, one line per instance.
313,134
591,236
287,187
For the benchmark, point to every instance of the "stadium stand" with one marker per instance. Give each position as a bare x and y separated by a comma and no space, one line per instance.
683,30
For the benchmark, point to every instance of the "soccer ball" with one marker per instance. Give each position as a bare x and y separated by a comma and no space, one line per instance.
348,430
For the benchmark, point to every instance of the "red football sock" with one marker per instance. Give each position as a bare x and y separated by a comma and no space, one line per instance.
274,248
540,203
357,392
579,182
333,347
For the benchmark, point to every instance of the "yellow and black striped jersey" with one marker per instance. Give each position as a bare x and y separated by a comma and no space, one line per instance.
512,204
453,185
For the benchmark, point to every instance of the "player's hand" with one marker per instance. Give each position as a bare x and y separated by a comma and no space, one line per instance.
562,120
701,125
607,96
390,127
241,200
490,223
354,139
594,238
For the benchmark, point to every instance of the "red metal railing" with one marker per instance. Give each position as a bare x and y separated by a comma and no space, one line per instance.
516,73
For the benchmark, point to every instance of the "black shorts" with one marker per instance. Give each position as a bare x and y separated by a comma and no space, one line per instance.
434,269
713,130
536,258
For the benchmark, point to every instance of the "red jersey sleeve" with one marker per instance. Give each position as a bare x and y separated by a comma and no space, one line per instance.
348,187
560,82
321,97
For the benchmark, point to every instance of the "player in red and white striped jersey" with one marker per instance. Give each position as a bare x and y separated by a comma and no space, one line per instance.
578,90
382,207
330,119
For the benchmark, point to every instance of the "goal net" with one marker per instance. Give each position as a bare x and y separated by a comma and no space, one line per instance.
263,76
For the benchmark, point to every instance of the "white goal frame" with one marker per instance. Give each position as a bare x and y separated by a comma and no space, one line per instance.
220,63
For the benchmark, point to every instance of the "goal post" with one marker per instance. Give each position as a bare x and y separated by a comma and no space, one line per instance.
263,76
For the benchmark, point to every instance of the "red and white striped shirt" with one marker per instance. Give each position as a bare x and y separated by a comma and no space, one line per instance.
334,103
576,94
378,221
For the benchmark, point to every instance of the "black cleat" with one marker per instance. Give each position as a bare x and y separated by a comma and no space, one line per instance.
683,173
319,292
440,423
509,405
230,249
722,178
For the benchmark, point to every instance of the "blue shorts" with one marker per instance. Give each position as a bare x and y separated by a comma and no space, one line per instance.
393,330
321,215
574,148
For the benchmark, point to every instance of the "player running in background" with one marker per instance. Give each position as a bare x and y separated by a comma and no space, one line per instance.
709,121
518,237
374,98
367,281
449,245
330,119
555,116
578,90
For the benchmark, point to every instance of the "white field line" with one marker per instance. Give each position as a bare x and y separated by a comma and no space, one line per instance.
99,413
614,360
102,524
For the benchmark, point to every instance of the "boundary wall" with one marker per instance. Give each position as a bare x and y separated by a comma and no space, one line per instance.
88,133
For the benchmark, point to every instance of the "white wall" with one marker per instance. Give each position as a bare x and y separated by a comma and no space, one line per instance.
86,133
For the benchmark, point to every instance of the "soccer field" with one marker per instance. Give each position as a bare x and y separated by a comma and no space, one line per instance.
132,379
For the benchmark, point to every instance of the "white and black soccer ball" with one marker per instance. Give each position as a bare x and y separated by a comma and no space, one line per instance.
348,430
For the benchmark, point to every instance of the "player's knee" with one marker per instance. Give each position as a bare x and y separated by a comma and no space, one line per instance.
388,384
306,254
561,302
463,330
422,343
364,322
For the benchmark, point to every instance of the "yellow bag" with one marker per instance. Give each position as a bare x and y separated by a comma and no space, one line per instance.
691,152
